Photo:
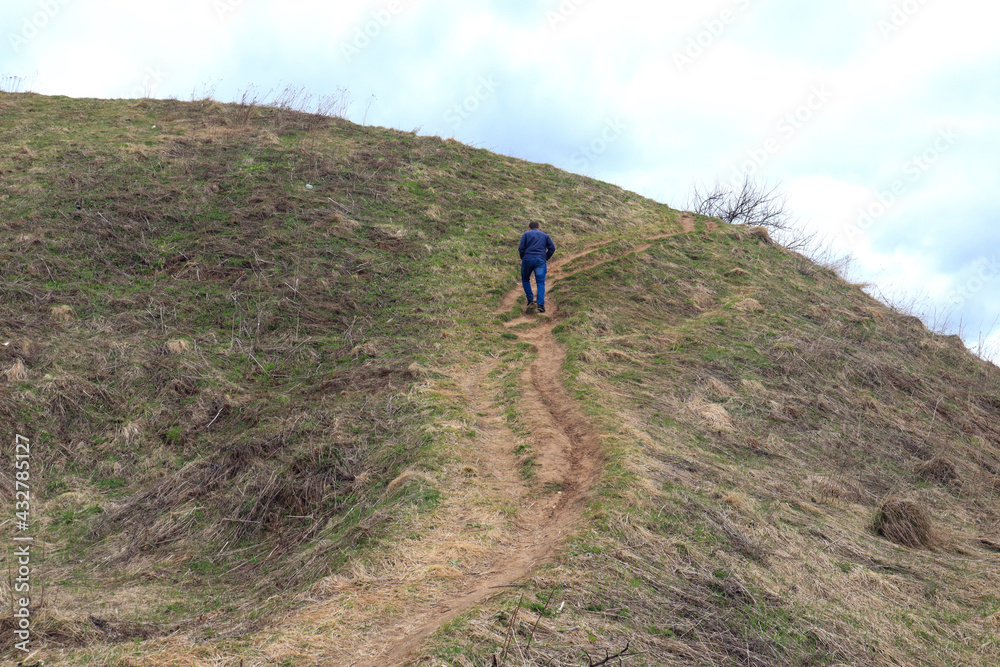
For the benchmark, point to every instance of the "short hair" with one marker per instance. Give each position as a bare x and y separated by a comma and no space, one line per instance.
533,224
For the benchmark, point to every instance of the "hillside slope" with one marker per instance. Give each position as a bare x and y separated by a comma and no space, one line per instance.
285,409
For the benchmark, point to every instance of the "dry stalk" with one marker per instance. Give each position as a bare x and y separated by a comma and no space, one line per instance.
510,629
539,619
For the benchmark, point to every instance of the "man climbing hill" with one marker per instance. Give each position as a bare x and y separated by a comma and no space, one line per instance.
535,249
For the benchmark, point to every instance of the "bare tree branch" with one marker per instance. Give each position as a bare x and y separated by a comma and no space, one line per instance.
752,203
608,656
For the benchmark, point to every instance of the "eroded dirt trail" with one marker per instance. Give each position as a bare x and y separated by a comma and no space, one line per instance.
568,455
420,591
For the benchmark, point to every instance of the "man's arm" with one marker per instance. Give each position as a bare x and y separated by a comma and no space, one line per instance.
521,246
550,247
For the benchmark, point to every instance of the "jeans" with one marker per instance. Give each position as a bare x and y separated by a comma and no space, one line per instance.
534,265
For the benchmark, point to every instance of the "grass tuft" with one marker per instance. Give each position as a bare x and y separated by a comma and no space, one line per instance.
906,523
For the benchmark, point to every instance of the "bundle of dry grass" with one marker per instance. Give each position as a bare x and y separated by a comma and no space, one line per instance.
18,372
720,388
748,306
761,234
63,313
712,415
905,523
365,349
177,346
939,470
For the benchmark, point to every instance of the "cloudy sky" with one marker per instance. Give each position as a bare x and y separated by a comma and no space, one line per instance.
880,118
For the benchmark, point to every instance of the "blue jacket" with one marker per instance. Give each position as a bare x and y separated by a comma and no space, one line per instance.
536,243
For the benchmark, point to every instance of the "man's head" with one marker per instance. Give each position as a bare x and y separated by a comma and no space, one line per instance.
533,224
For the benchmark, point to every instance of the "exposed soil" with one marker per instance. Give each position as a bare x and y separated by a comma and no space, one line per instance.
569,457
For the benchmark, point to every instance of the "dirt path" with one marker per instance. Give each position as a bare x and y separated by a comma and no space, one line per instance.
568,453
565,444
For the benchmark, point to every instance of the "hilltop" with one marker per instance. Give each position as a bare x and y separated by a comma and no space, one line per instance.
285,408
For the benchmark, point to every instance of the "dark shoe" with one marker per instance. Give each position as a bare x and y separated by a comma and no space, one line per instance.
541,308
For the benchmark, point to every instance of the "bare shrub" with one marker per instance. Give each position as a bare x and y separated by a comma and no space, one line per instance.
333,105
292,102
752,204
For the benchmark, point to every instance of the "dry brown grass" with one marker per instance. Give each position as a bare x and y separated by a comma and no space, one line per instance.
760,233
178,346
17,372
939,470
905,522
748,305
720,388
838,406
63,313
712,415
748,445
407,477
365,349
